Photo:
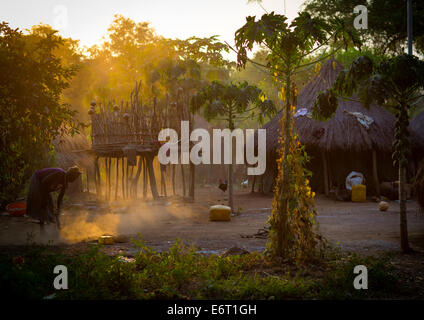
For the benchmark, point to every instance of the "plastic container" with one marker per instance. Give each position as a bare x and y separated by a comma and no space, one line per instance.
359,193
17,209
219,213
106,240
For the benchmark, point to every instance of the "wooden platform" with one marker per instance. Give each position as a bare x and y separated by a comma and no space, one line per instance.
117,150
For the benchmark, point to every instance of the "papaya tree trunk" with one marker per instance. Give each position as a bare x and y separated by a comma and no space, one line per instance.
283,201
230,166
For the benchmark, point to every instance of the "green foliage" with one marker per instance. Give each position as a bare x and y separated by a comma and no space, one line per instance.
382,279
181,273
325,105
233,102
387,21
32,79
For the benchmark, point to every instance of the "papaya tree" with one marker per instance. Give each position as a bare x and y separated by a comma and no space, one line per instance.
288,45
396,81
232,103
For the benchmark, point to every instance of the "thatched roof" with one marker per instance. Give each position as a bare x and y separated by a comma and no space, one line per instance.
417,132
343,131
417,125
73,150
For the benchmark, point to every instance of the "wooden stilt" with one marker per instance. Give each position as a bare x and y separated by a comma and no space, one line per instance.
162,181
375,172
127,171
152,179
97,177
145,180
107,173
105,163
137,176
110,179
325,172
173,167
192,180
116,178
129,181
88,181
123,177
183,180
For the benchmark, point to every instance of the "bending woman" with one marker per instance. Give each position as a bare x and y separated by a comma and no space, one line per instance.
39,199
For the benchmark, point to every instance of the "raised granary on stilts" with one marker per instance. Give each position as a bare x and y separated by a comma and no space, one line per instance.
125,136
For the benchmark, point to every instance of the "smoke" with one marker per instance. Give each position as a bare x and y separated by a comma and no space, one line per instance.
85,226
129,218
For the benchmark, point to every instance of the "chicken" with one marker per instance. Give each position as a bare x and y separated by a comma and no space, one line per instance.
223,185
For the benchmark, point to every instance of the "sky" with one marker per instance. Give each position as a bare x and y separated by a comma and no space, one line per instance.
88,20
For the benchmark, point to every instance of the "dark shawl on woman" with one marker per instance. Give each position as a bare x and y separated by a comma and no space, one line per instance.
39,199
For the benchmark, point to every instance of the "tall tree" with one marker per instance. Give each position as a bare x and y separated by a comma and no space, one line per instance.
32,79
233,103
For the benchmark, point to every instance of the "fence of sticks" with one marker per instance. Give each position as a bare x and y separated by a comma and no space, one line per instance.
124,138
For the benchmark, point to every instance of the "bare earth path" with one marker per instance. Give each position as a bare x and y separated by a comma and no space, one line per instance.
353,226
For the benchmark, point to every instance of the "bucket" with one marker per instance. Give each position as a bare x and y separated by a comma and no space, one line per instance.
16,209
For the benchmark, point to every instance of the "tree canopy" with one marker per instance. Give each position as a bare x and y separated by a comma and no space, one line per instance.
32,79
387,21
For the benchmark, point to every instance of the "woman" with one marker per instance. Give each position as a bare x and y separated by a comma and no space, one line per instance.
39,199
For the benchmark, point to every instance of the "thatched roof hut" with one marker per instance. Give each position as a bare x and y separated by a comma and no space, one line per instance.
417,125
343,131
417,131
355,139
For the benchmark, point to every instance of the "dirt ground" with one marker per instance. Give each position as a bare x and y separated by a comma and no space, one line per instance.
352,226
